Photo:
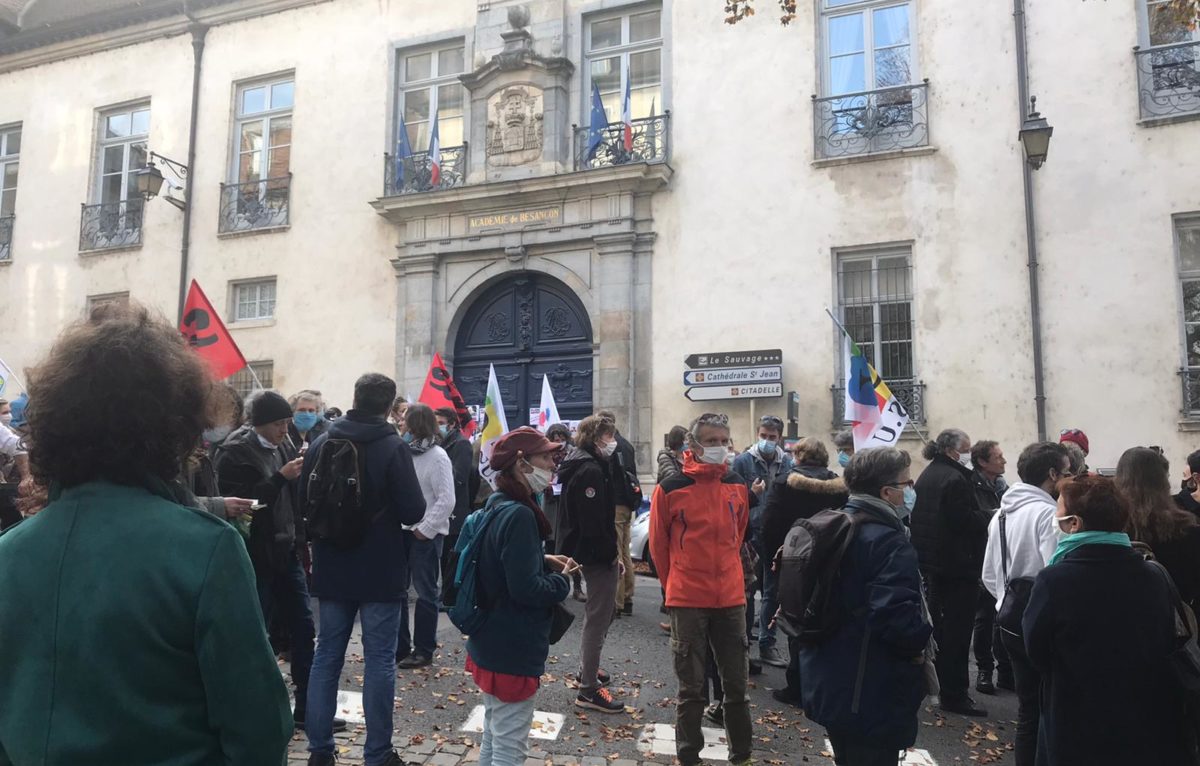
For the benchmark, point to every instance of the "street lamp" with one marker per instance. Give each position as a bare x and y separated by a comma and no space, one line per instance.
149,179
1035,136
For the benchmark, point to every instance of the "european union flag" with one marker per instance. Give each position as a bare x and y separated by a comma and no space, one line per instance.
597,123
403,154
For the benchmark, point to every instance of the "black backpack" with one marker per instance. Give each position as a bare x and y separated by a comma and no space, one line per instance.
808,565
334,502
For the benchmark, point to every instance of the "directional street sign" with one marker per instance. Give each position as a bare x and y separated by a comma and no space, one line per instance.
729,376
753,391
728,359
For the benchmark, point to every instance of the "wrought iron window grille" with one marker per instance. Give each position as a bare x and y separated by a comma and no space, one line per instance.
871,122
1189,377
414,174
1168,80
910,394
254,205
6,232
110,225
650,142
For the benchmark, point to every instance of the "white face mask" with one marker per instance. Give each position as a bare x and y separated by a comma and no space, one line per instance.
608,449
539,479
964,459
715,455
6,419
217,434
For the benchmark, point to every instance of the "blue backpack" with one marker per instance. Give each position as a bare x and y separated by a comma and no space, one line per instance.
467,613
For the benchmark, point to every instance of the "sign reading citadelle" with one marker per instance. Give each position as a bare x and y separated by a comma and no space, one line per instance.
515,218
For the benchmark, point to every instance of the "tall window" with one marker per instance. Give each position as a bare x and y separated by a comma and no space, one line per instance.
429,85
243,379
625,49
254,300
10,158
875,301
122,151
1163,24
868,45
264,130
1187,243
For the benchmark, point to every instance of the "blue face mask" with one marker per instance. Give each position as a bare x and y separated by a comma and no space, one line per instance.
305,420
843,459
407,437
766,448
910,501
444,430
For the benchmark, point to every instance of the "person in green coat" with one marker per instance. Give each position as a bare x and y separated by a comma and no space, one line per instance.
130,631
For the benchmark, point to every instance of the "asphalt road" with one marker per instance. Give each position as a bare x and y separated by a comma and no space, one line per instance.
435,703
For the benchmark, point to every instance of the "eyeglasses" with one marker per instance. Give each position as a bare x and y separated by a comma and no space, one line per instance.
901,484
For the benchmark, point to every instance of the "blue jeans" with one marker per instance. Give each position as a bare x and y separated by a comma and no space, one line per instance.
768,582
287,592
379,621
424,564
505,731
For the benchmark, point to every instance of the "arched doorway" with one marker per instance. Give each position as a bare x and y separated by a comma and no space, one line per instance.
528,326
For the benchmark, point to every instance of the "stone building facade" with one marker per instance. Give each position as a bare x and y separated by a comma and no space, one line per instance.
865,158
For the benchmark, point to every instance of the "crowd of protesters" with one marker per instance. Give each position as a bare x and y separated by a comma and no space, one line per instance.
199,530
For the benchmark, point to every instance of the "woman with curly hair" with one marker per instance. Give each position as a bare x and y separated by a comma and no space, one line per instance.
130,631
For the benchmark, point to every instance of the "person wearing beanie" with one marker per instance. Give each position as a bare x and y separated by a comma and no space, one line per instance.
507,656
259,461
1076,436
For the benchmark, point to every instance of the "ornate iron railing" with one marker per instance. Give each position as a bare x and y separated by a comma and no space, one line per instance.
872,121
111,225
1190,378
262,204
910,393
414,173
6,230
650,141
1168,80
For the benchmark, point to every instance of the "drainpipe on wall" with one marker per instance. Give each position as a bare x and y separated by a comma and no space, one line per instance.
1035,303
199,31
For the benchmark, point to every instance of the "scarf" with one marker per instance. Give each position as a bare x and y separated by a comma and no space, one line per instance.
420,446
517,490
1071,542
879,504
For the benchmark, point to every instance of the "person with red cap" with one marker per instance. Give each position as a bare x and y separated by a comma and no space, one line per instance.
1075,436
520,585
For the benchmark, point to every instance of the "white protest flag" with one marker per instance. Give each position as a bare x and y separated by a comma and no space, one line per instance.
495,425
6,375
548,412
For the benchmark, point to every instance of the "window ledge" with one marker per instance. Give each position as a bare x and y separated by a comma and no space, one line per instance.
1190,424
1154,122
247,324
107,250
252,232
916,151
6,262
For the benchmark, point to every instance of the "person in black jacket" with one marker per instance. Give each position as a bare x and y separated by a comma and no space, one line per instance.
810,487
1100,628
308,418
949,531
628,495
589,536
458,449
258,461
1188,497
988,482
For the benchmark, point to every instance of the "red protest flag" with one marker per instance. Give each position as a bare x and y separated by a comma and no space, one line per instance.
440,391
205,332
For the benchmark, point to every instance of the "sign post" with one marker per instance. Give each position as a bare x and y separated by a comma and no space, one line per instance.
734,375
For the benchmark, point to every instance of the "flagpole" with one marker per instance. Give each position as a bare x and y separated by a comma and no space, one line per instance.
257,382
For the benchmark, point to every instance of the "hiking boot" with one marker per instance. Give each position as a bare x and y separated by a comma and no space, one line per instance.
715,713
983,683
415,660
770,655
601,700
321,759
964,706
1005,680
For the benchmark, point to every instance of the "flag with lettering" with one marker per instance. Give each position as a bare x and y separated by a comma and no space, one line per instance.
878,418
440,392
206,333
495,425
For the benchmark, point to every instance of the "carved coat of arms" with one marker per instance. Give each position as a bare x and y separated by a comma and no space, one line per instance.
514,130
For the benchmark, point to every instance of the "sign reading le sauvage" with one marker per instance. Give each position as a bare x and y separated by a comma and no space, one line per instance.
734,375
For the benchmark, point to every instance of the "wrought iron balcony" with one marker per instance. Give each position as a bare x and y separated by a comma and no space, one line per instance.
1168,80
885,120
650,143
111,225
1190,378
254,205
910,393
414,174
6,229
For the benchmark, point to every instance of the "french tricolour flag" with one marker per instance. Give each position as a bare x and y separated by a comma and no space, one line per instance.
627,119
435,154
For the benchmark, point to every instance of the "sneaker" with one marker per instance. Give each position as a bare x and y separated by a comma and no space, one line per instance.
339,724
770,655
393,759
601,700
415,660
715,713
321,759
602,678
983,682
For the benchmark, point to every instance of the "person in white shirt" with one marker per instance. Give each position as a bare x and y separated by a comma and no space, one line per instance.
1030,537
423,541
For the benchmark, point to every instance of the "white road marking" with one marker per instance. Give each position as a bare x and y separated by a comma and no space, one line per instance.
659,739
911,758
545,725
350,707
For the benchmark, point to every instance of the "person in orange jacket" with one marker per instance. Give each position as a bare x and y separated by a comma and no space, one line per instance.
698,523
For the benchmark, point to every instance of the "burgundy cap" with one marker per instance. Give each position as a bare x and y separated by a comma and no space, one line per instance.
1075,435
520,442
